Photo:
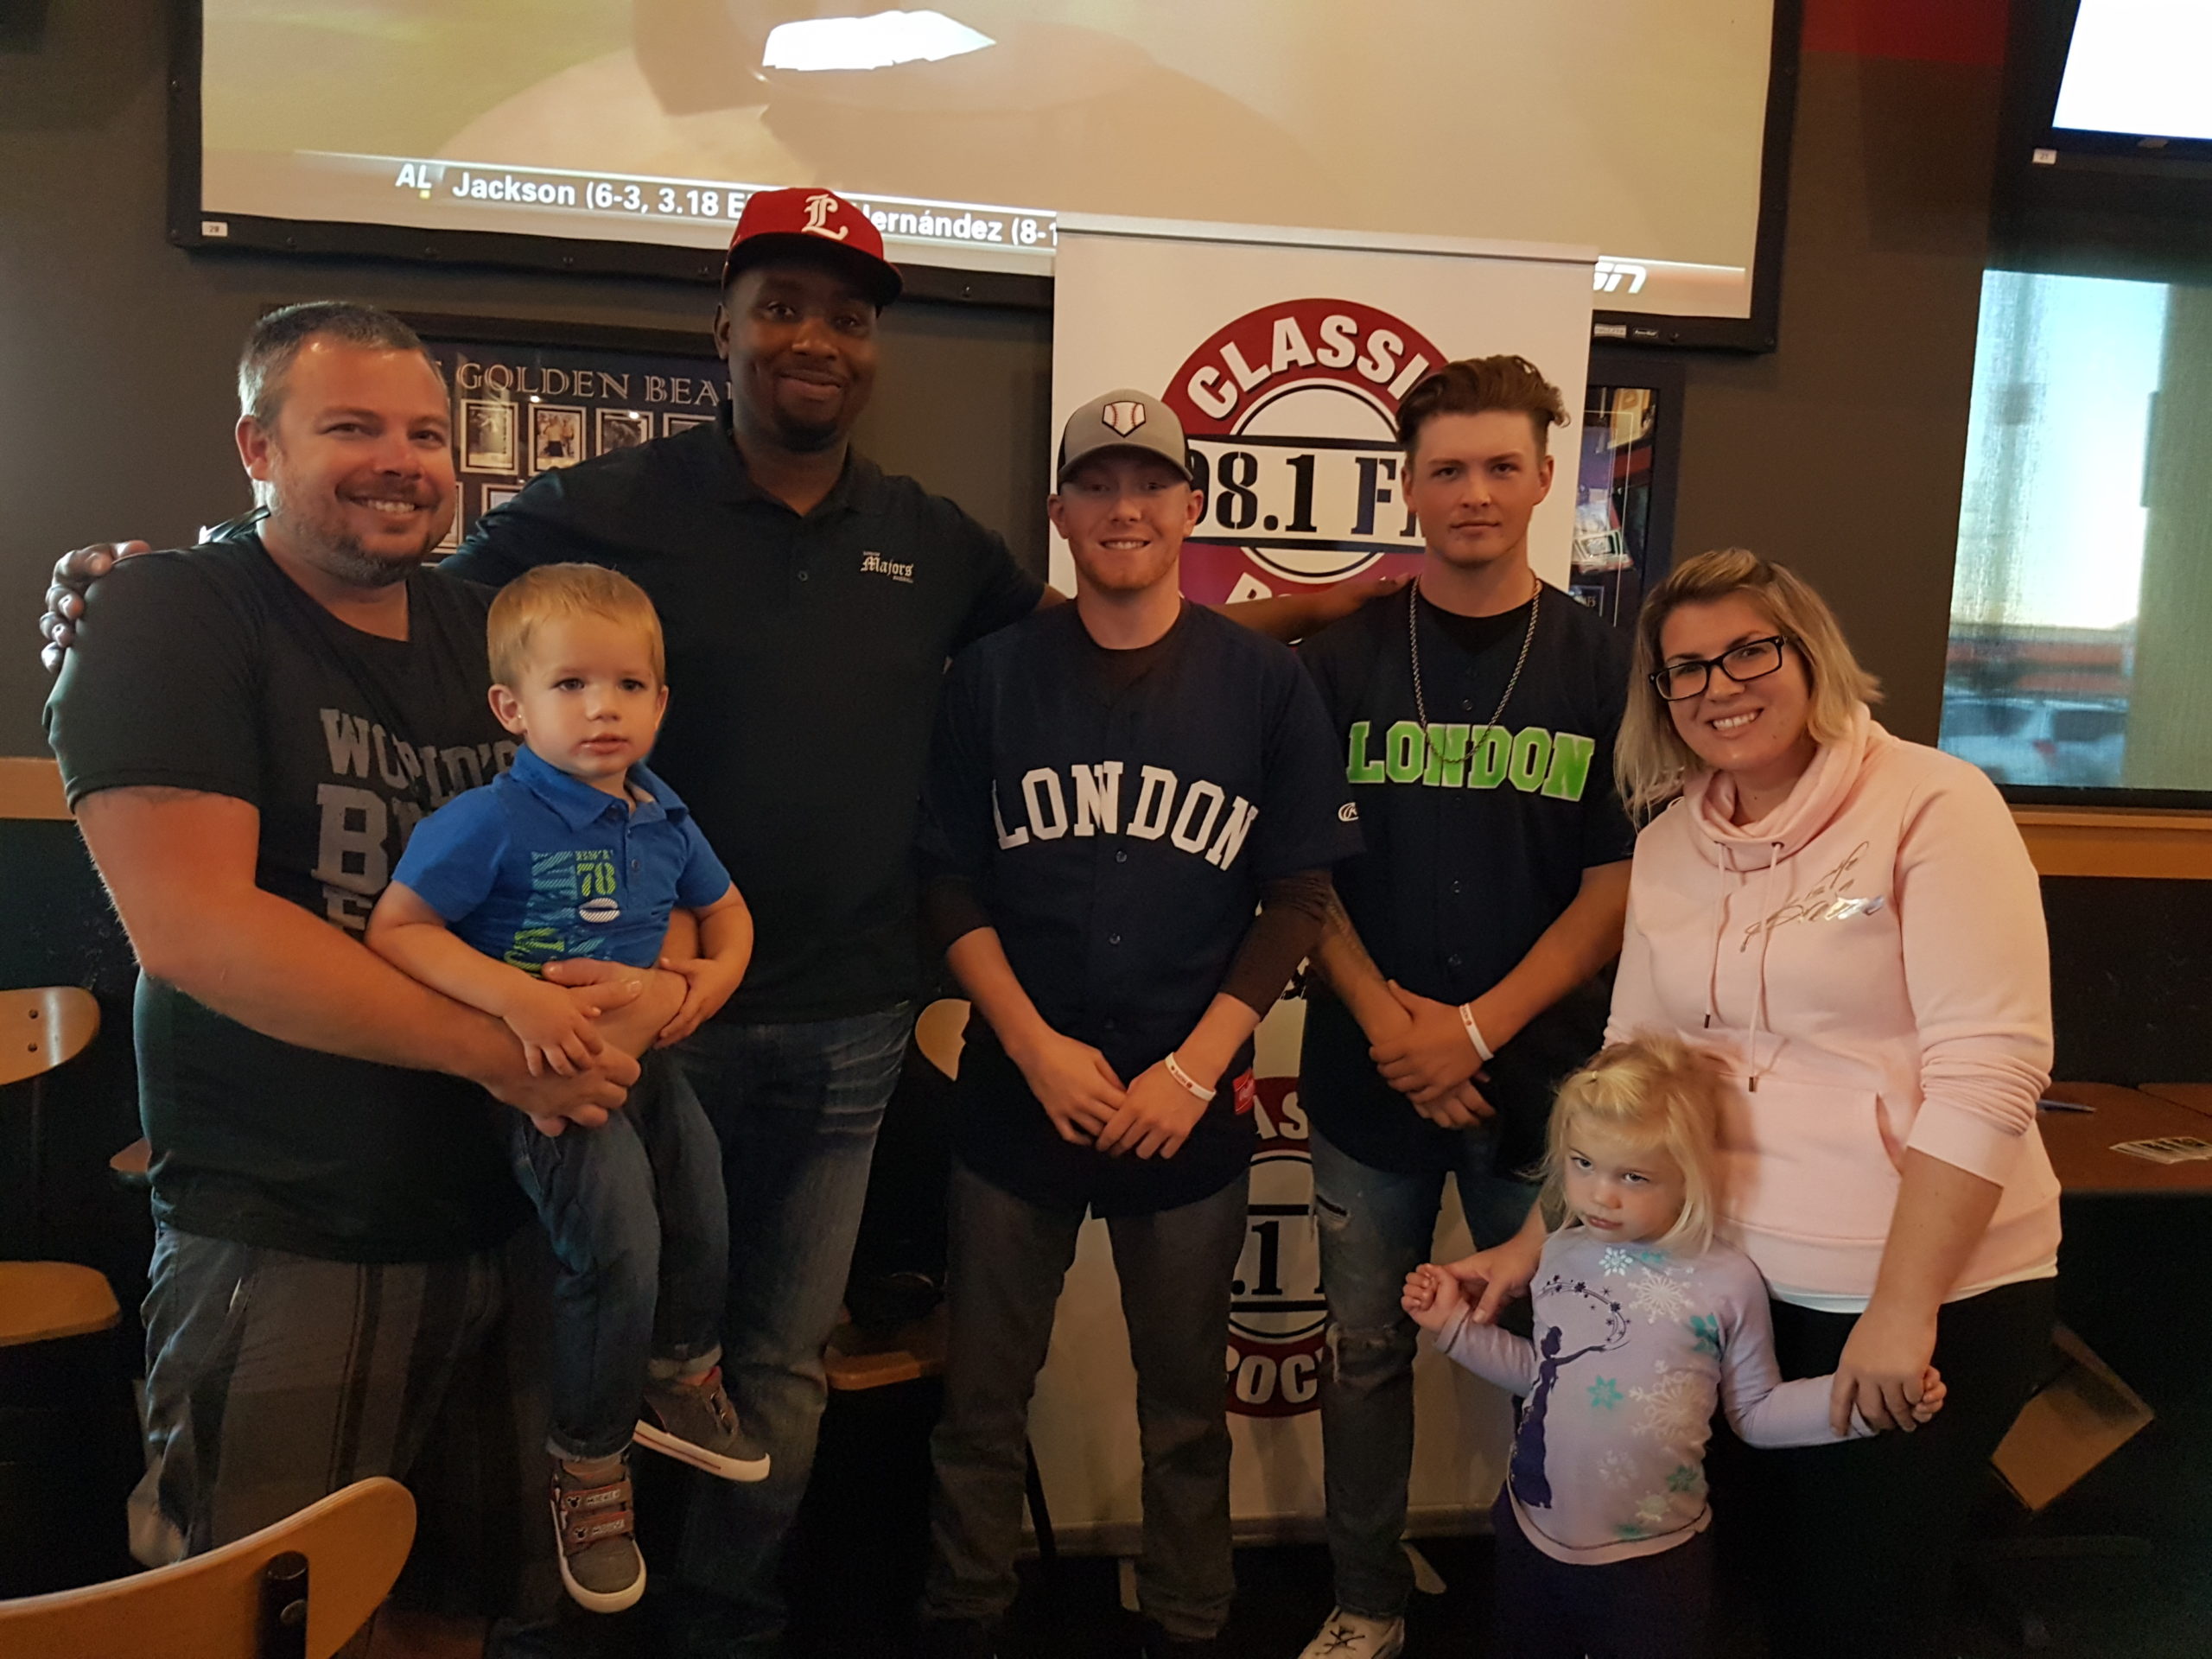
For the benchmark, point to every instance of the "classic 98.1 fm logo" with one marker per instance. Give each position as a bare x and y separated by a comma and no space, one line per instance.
1278,1320
1291,414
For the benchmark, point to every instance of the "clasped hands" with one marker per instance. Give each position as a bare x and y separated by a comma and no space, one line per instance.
1089,1106
1432,1062
583,1023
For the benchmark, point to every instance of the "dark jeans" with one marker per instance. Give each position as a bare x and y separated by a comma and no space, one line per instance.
640,1236
797,1107
1647,1607
1375,1226
1008,1258
1853,1544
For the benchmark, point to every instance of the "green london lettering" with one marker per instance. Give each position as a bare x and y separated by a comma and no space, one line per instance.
1403,752
1358,769
1447,756
1488,751
1570,767
1532,749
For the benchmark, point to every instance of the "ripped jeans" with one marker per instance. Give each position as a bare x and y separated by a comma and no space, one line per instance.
1377,1226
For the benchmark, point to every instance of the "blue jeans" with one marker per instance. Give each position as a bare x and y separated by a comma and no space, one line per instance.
798,1107
1375,1226
640,1236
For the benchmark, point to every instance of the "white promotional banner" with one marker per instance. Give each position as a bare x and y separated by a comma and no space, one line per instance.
1285,353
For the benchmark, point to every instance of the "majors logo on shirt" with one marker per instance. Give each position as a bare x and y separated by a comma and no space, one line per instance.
1291,413
1278,1321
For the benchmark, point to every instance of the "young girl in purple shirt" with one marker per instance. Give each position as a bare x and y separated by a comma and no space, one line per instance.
1642,1320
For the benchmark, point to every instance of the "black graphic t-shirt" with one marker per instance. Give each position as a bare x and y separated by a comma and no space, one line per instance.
211,670
1117,834
1476,842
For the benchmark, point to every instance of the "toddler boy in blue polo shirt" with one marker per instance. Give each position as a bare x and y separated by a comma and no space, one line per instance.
579,851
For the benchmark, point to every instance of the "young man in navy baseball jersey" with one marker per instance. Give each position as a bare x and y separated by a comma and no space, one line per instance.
1475,717
1116,785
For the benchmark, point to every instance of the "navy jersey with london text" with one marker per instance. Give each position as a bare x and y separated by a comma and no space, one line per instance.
1118,840
1475,844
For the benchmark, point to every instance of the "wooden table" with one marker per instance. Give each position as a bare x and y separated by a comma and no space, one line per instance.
2079,1143
2197,1096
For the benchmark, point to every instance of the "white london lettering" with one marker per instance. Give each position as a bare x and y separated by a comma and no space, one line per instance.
1203,819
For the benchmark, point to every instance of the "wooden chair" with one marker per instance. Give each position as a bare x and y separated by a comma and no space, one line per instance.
42,1031
297,1590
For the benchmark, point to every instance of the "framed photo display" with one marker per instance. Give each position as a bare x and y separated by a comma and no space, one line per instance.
531,397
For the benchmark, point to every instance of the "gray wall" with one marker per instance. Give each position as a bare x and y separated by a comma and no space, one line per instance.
1840,452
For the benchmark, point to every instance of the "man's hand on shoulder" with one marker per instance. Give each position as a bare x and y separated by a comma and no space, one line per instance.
73,573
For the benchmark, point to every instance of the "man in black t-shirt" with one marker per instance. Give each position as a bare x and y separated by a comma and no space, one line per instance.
247,732
1116,785
1476,716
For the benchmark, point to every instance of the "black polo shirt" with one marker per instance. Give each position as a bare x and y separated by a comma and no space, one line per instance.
804,658
1473,850
1117,835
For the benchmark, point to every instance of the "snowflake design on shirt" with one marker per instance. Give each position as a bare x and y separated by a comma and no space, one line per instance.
1617,1468
1661,1298
1616,1260
1604,1395
1653,1512
1673,1409
1686,1477
1705,1332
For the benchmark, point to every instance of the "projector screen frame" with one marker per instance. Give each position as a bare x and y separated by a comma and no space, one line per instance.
190,227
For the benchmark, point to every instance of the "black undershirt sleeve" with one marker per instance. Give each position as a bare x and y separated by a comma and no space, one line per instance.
950,909
1293,908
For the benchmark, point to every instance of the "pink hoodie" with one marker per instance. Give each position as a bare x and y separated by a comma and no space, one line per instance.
1869,961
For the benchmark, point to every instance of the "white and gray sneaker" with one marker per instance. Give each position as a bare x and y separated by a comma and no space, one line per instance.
1355,1636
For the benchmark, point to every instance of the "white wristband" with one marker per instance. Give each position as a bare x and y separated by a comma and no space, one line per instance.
1474,1031
1175,1070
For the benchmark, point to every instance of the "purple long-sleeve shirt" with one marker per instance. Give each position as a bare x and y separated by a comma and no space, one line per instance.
1633,1344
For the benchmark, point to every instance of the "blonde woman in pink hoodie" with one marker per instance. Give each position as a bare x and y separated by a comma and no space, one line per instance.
1851,924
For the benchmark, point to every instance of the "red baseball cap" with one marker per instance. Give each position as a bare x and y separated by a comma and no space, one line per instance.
775,221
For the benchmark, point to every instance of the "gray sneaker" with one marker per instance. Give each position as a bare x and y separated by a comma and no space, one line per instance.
695,1423
599,1563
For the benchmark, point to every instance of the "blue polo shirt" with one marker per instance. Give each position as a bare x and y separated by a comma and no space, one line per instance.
538,866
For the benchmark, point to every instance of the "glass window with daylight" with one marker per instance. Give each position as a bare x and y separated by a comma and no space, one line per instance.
2080,642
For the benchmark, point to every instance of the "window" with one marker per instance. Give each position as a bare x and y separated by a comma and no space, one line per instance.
2080,642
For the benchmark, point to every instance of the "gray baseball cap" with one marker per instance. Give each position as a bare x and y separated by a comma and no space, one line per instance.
1122,420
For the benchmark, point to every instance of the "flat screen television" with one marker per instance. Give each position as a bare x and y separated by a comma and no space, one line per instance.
627,135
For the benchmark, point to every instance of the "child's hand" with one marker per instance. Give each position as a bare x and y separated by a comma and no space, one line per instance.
554,1026
1432,1297
1932,1395
708,983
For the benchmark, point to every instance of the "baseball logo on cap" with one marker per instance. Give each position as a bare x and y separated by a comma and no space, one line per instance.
1291,413
1124,416
819,206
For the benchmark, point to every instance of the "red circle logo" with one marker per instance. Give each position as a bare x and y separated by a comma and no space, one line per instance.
1278,1320
1291,412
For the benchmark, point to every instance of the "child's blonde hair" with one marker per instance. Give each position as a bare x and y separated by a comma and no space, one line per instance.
552,592
1654,1092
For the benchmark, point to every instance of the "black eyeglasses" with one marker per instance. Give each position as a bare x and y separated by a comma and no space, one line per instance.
1753,659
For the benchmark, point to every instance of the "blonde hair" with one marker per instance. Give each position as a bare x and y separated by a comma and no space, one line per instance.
554,592
1655,1093
1650,759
